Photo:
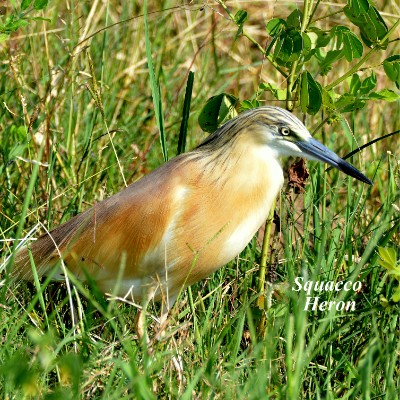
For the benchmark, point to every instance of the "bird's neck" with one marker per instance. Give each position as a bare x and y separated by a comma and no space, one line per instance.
244,167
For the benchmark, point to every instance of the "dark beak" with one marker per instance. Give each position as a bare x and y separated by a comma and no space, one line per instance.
314,150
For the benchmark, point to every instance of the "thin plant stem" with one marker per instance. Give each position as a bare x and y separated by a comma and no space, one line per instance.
263,269
292,74
252,40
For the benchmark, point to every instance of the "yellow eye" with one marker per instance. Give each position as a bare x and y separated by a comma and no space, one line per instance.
284,131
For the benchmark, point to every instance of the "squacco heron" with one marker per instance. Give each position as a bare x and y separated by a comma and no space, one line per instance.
187,218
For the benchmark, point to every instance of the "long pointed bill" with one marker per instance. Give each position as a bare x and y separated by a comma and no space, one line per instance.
314,150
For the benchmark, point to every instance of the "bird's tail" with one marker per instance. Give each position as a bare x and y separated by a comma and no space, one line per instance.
44,255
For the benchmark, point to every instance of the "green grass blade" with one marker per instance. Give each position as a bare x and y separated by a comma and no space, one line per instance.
185,114
27,201
155,87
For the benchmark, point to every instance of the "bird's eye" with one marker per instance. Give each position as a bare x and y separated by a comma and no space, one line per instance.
284,131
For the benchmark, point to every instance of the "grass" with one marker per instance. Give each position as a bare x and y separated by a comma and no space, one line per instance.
64,147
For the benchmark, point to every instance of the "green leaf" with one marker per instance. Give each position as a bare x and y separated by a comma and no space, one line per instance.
240,18
348,42
295,18
275,26
19,371
304,99
388,257
384,94
363,14
25,4
384,301
40,19
274,29
288,42
4,37
361,88
352,46
323,39
327,101
40,4
368,84
388,261
307,43
249,105
396,294
216,111
21,131
319,37
355,84
289,46
349,102
310,94
279,94
392,69
16,151
308,46
12,24
326,62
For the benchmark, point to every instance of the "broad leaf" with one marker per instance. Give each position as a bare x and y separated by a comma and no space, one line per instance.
240,18
396,294
25,4
216,111
349,102
388,257
295,18
392,68
355,84
249,105
368,84
388,261
363,14
12,25
361,88
275,26
326,62
279,94
384,94
327,101
348,42
319,38
40,4
289,46
310,94
307,43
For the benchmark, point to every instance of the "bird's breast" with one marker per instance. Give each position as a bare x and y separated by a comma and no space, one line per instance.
219,213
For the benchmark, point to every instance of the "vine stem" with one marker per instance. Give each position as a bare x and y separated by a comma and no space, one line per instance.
262,273
307,12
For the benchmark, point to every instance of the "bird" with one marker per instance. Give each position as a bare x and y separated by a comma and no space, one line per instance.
184,220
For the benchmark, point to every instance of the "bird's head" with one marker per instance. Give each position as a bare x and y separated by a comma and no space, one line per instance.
283,134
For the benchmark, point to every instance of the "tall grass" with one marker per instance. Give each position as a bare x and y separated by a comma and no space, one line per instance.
66,143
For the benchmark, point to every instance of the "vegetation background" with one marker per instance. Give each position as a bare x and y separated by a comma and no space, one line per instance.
77,119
